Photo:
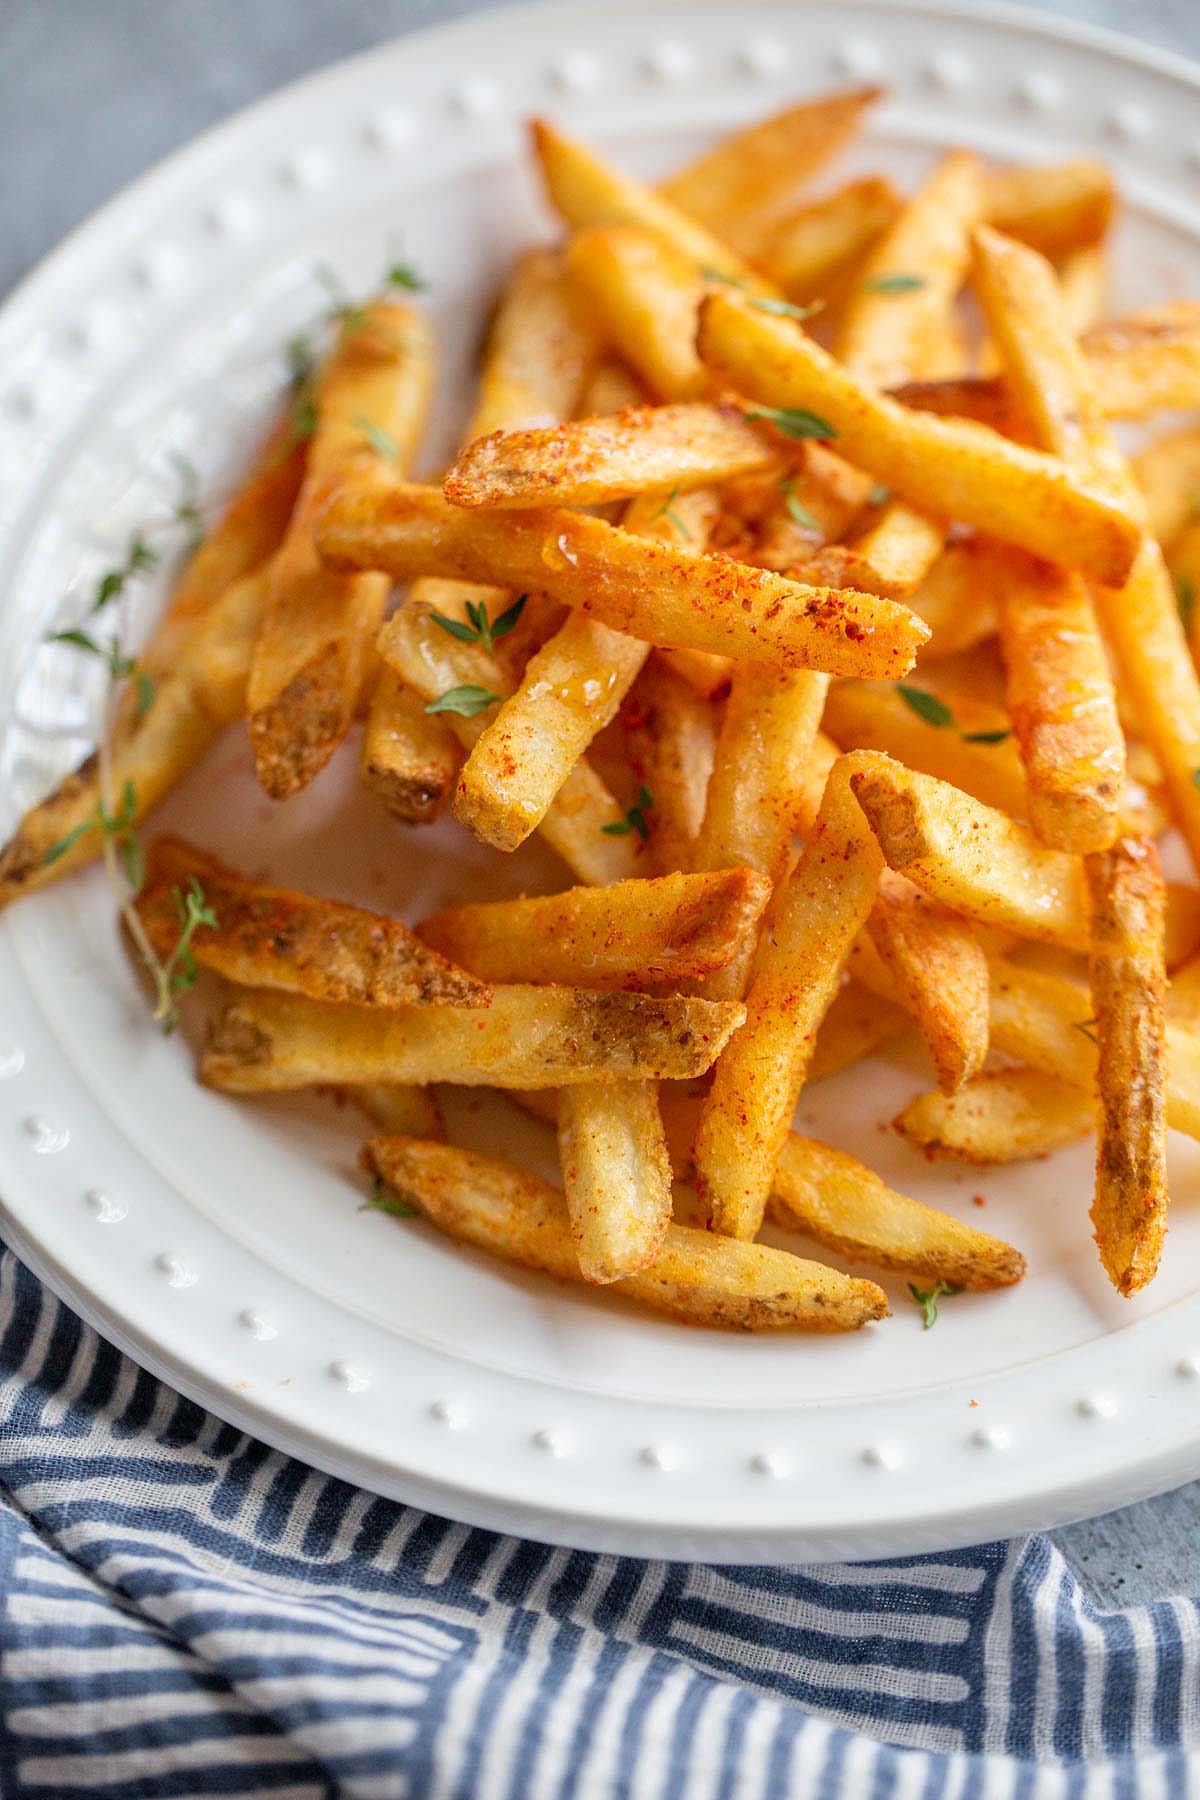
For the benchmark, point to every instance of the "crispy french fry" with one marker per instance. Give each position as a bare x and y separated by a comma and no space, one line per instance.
317,627
586,191
857,1022
1003,1117
1128,984
616,1176
540,353
401,1111
632,934
1055,207
959,594
611,387
650,590
707,1280
863,715
951,467
410,757
940,972
807,252
527,1037
821,758
1168,478
274,937
644,295
1183,995
705,673
749,177
757,1082
972,858
671,741
898,551
1083,284
642,450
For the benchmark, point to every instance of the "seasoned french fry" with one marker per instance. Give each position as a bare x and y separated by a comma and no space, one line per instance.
616,1176
807,252
401,1111
1168,478
586,191
651,590
863,715
1055,207
757,1082
822,756
709,1281
610,388
857,1022
898,550
940,972
973,859
749,177
274,937
1003,1117
1083,284
540,353
1128,984
317,627
671,741
645,296
632,934
528,1037
1183,995
410,757
951,467
959,595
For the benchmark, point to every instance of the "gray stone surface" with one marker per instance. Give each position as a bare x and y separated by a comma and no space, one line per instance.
94,91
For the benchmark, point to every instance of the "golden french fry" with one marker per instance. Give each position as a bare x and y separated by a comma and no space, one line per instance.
661,931
897,552
1168,478
1055,207
940,972
951,467
1083,284
749,177
807,252
644,295
616,1176
671,741
1128,985
400,1111
973,751
707,1280
650,590
317,626
540,352
410,757
610,388
273,937
1183,994
959,594
972,858
1002,1117
856,1023
527,1037
757,1082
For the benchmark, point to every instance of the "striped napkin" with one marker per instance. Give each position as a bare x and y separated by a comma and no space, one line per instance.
185,1612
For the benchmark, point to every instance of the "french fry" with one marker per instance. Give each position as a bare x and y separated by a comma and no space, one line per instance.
645,449
528,1037
960,593
1083,284
645,296
650,590
708,1281
749,177
616,1176
821,758
1168,478
808,251
757,1082
898,550
401,1111
540,353
940,972
586,192
410,757
317,627
1006,1116
1183,995
856,1023
1128,982
610,388
1055,207
274,937
633,934
671,741
972,858
863,715
951,467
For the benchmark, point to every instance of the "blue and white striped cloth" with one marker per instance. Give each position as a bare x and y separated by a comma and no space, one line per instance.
185,1612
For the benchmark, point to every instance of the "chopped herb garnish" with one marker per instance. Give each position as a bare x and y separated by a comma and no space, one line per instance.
116,826
403,275
1185,598
186,510
787,309
709,272
477,628
301,358
667,511
378,439
119,666
178,974
879,495
305,417
794,421
800,514
342,310
926,706
386,1199
1086,1026
635,818
927,1299
893,284
138,558
465,699
985,737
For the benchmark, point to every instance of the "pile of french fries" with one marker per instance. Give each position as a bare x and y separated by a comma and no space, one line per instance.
791,584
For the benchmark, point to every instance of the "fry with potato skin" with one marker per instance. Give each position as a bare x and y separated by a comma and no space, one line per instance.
940,972
758,1080
1128,982
274,937
671,741
540,352
867,715
632,934
616,1176
644,295
528,1037
649,590
1005,1116
410,757
706,1280
400,1111
950,467
856,1023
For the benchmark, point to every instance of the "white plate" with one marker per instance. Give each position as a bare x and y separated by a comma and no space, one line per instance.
219,1243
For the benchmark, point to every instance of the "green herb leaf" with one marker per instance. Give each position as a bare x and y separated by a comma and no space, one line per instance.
1185,599
465,699
786,309
1086,1026
145,691
794,421
378,439
138,558
81,640
67,843
667,511
509,617
927,1299
458,628
926,706
386,1199
985,737
480,629
403,275
893,284
635,818
342,310
305,417
177,975
710,272
129,850
186,510
806,520
301,358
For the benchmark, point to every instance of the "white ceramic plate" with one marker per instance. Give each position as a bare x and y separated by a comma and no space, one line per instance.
220,1243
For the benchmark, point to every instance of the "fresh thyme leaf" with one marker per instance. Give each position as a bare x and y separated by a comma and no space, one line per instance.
145,691
138,558
177,975
1086,1026
67,843
386,1199
879,495
710,272
806,520
985,737
481,629
667,511
458,628
786,309
118,826
1185,598
342,310
926,706
186,510
635,818
502,625
82,640
894,284
794,421
305,417
466,699
300,357
378,439
927,1299
403,275
129,850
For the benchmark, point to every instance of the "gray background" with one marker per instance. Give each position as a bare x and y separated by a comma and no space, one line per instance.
94,91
